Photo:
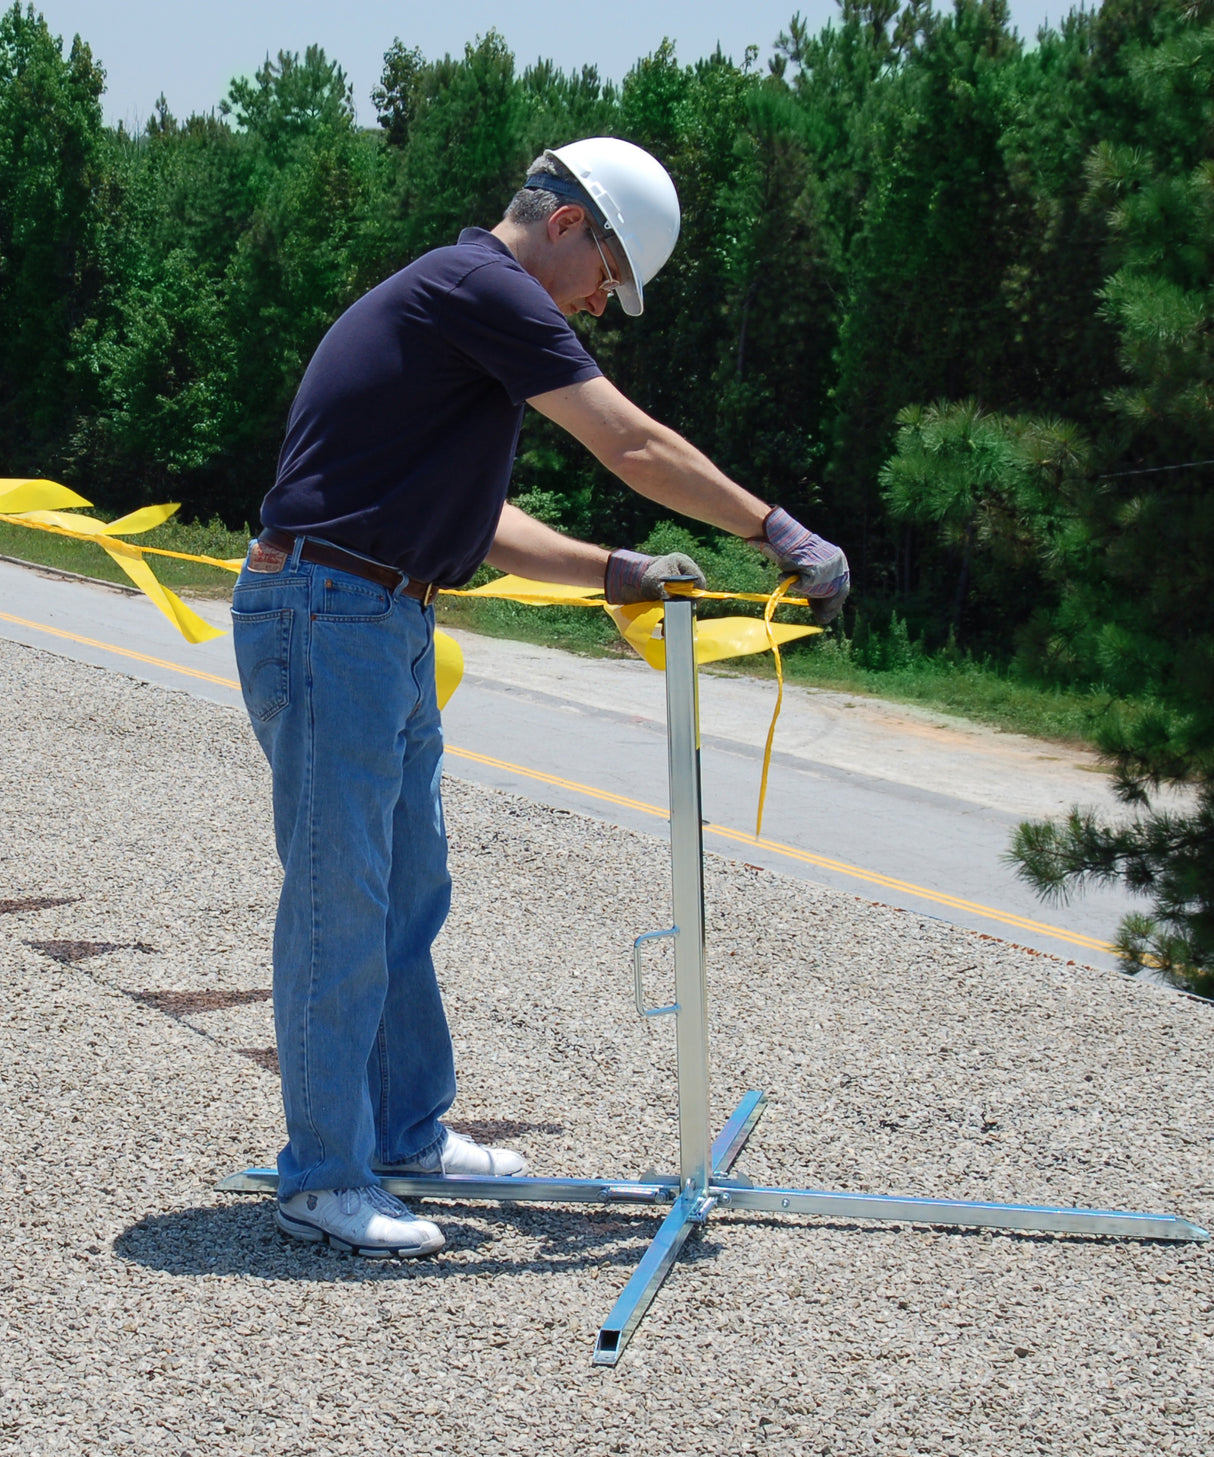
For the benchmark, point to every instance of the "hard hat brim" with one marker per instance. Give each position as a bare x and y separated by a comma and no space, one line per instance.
629,293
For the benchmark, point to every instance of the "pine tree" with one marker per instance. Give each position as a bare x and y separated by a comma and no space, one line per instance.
1140,614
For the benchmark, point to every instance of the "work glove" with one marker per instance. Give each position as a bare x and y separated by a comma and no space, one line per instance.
819,566
634,577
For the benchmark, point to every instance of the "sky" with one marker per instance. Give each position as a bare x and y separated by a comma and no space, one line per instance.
191,51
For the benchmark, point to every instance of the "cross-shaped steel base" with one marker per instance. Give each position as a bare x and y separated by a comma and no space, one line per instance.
703,1182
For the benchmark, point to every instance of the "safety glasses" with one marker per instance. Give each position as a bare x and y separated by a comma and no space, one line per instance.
610,283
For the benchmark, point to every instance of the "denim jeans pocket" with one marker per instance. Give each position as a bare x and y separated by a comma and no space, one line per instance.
263,657
346,598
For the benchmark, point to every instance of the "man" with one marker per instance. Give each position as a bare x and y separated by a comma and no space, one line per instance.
391,484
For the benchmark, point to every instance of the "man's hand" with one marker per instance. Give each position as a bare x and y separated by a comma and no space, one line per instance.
634,577
819,566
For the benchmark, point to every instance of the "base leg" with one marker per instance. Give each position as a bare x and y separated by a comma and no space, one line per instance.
637,1296
731,1140
959,1212
691,1208
498,1189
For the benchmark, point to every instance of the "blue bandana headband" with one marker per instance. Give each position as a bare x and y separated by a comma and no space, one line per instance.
568,188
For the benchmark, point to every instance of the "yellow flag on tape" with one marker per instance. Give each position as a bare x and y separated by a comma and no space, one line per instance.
448,666
142,520
640,625
36,503
537,594
734,637
717,638
192,627
22,495
85,527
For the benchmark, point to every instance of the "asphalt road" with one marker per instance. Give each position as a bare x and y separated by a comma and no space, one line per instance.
894,805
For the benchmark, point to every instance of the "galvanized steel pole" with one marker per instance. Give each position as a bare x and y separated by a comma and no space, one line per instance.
687,885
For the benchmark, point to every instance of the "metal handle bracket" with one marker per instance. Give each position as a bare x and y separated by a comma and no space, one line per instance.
642,1009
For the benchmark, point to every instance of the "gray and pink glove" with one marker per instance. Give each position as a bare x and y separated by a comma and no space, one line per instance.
819,566
634,577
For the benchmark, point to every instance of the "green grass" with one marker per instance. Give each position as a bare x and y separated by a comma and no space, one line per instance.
969,689
201,539
886,665
586,630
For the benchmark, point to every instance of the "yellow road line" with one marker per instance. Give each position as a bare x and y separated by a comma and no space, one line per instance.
873,877
603,794
790,852
906,887
840,867
92,642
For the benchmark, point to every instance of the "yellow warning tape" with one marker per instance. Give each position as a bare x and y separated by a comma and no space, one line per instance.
42,505
772,603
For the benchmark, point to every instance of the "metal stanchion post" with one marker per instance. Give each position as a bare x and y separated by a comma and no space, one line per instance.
687,891
690,1007
703,1181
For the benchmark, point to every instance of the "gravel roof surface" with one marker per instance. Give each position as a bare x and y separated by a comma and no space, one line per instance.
141,1310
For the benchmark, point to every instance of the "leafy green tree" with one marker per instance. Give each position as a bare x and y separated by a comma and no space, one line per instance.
563,106
921,315
300,258
166,370
780,267
50,137
235,243
290,99
466,152
1070,94
157,348
398,96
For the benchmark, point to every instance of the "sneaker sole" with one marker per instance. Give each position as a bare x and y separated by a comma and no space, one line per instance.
386,1171
313,1234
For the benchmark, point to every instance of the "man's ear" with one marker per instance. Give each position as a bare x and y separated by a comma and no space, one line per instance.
568,217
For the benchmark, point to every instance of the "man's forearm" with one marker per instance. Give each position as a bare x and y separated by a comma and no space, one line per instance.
528,548
652,459
670,470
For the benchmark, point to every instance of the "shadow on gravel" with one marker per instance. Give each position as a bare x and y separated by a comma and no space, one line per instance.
241,1239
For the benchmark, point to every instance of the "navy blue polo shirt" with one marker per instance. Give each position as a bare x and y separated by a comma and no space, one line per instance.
401,439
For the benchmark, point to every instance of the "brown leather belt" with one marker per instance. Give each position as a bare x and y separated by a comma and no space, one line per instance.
325,554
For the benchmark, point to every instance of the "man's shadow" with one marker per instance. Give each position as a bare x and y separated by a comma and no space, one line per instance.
240,1238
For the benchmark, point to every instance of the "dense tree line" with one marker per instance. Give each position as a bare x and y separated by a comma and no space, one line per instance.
947,296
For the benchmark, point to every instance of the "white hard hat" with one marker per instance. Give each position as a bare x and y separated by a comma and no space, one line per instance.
636,202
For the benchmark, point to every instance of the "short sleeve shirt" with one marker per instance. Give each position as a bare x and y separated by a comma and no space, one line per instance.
402,436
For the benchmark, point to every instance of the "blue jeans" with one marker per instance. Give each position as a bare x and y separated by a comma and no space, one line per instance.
338,678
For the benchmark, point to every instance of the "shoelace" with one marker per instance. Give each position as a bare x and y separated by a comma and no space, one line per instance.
379,1199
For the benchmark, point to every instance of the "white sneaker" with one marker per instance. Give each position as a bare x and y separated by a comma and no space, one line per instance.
367,1221
459,1155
